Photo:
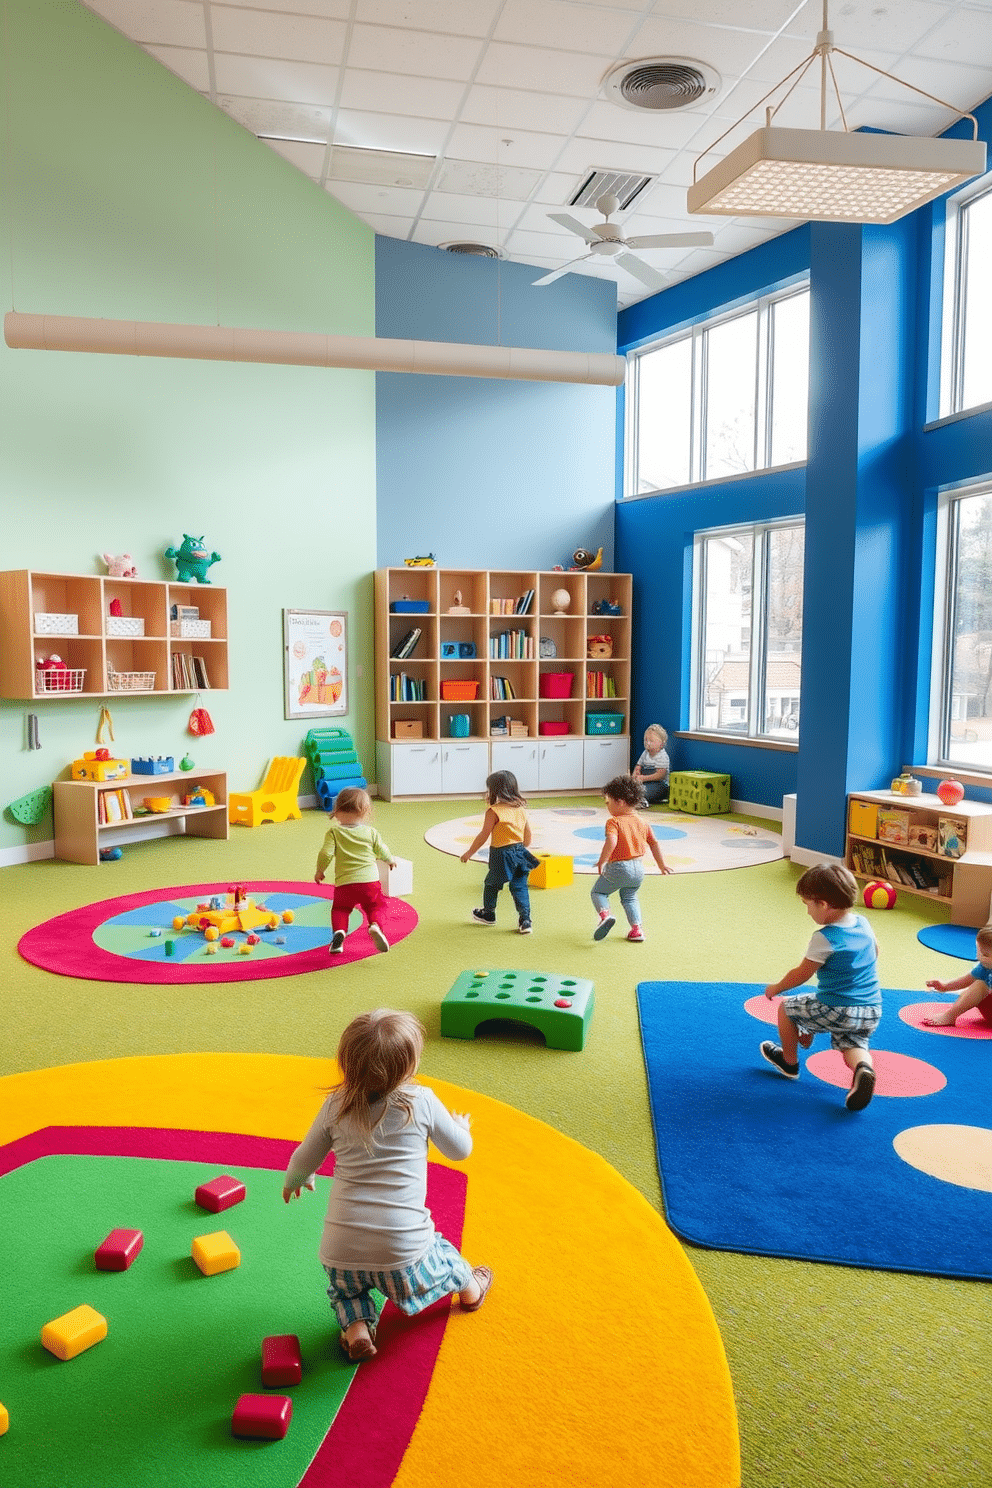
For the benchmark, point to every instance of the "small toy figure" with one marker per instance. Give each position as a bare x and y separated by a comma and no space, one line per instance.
589,562
121,567
192,560
424,560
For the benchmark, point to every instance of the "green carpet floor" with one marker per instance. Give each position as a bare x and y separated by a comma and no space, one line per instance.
844,1378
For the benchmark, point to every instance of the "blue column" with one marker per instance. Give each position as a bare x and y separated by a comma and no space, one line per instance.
858,517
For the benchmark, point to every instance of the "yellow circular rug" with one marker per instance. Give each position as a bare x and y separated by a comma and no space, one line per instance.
596,1359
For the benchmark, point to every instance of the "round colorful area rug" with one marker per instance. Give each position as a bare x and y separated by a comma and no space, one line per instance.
689,844
542,1385
278,929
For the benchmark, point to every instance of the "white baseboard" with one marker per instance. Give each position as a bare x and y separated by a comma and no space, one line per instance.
30,852
757,808
807,859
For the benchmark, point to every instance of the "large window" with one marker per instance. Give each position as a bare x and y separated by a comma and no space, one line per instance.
748,630
723,399
966,363
963,649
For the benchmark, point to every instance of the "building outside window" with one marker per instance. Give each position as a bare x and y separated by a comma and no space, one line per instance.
747,630
966,352
962,679
722,399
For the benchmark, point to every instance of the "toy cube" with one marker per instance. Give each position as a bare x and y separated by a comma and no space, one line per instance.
220,1193
266,1416
398,880
74,1331
699,792
561,1007
551,872
215,1252
282,1363
120,1248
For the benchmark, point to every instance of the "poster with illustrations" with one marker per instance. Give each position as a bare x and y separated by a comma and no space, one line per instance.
316,652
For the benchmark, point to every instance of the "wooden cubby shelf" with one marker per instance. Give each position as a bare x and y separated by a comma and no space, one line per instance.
964,883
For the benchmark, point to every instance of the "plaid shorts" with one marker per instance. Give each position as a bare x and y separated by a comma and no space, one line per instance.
440,1271
848,1027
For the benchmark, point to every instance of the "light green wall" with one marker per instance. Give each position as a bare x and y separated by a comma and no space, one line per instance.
124,194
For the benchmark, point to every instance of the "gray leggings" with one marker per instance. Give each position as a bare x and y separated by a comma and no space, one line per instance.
624,878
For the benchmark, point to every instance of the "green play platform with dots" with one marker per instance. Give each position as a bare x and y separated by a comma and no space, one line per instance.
560,1007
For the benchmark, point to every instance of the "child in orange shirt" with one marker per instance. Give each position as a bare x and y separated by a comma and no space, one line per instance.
510,862
621,865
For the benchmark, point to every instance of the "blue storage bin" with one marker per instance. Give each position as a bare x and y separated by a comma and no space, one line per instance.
410,606
148,765
604,723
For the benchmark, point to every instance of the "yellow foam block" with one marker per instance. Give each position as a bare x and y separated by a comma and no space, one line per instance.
4,1418
551,872
74,1331
216,1252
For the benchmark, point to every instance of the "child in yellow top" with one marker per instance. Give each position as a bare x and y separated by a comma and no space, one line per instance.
509,861
354,845
621,862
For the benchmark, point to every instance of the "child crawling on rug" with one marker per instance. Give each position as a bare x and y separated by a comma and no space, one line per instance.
847,1003
378,1233
975,986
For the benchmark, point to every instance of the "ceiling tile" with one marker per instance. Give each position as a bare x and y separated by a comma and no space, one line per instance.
584,155
291,121
259,33
473,211
359,197
395,93
430,54
548,24
574,74
466,18
166,22
262,77
510,108
474,142
187,64
671,129
307,158
327,9
724,48
389,132
480,178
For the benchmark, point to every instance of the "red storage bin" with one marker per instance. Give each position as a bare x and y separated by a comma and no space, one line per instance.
464,691
556,684
552,727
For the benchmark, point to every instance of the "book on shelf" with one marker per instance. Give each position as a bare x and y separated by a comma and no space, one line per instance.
200,671
501,689
524,602
407,645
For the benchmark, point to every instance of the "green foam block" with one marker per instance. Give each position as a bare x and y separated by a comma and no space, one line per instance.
30,809
521,997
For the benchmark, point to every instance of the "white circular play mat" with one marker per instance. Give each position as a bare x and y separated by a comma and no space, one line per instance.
690,844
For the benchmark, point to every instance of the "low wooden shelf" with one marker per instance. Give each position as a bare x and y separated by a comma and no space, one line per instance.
78,829
969,876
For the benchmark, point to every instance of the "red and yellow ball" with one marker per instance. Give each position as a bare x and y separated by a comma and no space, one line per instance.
879,895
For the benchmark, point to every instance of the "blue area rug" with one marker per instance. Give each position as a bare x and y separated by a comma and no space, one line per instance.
950,940
752,1162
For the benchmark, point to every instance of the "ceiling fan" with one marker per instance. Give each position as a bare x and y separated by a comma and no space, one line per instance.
606,240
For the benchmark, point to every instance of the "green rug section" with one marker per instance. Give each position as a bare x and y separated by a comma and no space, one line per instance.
152,1403
859,1380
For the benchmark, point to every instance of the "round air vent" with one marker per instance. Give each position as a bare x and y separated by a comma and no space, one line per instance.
480,250
657,84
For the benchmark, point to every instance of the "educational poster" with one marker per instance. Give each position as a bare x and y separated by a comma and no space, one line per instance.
316,662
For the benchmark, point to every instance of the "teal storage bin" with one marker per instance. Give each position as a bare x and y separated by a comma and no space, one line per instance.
604,723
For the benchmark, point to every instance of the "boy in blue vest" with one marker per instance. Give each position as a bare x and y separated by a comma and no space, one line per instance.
847,1003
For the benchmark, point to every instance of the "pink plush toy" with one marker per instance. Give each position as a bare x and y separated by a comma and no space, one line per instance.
121,567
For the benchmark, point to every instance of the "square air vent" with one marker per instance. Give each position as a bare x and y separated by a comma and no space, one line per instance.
620,184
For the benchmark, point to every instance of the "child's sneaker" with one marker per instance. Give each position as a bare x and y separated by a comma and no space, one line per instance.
777,1060
378,938
484,917
862,1088
636,934
606,923
337,943
524,926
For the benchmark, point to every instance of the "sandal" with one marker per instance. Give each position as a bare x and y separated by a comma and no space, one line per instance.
361,1349
484,1277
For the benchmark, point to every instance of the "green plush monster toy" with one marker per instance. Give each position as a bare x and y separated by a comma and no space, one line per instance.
192,560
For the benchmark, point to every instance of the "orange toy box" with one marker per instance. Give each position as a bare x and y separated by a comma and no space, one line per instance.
97,764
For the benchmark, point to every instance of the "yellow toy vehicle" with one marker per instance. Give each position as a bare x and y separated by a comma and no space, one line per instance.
426,560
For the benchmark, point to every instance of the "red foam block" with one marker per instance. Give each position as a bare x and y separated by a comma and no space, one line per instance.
282,1363
220,1193
120,1248
263,1416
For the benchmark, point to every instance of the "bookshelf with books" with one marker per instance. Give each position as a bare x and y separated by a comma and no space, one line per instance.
476,644
115,636
91,814
924,848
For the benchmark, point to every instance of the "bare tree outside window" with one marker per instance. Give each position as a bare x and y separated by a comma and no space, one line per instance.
967,688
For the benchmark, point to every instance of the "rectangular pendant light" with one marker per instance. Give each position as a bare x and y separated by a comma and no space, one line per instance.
822,175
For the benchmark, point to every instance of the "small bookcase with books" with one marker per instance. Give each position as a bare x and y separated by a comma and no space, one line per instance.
924,848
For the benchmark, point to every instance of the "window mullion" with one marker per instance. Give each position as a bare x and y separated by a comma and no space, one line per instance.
700,378
759,625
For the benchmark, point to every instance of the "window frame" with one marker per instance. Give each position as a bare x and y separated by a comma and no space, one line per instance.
954,309
698,336
758,658
946,558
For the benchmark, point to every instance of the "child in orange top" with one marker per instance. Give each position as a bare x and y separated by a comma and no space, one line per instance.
621,865
509,861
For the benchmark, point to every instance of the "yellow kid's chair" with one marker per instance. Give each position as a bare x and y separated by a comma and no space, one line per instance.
276,801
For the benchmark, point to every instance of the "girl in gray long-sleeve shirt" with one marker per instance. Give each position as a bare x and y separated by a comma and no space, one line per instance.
378,1231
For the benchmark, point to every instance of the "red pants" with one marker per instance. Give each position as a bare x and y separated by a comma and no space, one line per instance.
364,896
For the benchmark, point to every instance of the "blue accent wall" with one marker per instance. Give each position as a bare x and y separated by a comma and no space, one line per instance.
487,473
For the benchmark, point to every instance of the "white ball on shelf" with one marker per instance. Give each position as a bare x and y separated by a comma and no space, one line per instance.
561,599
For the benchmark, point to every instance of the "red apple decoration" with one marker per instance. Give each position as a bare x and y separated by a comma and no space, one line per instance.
950,792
